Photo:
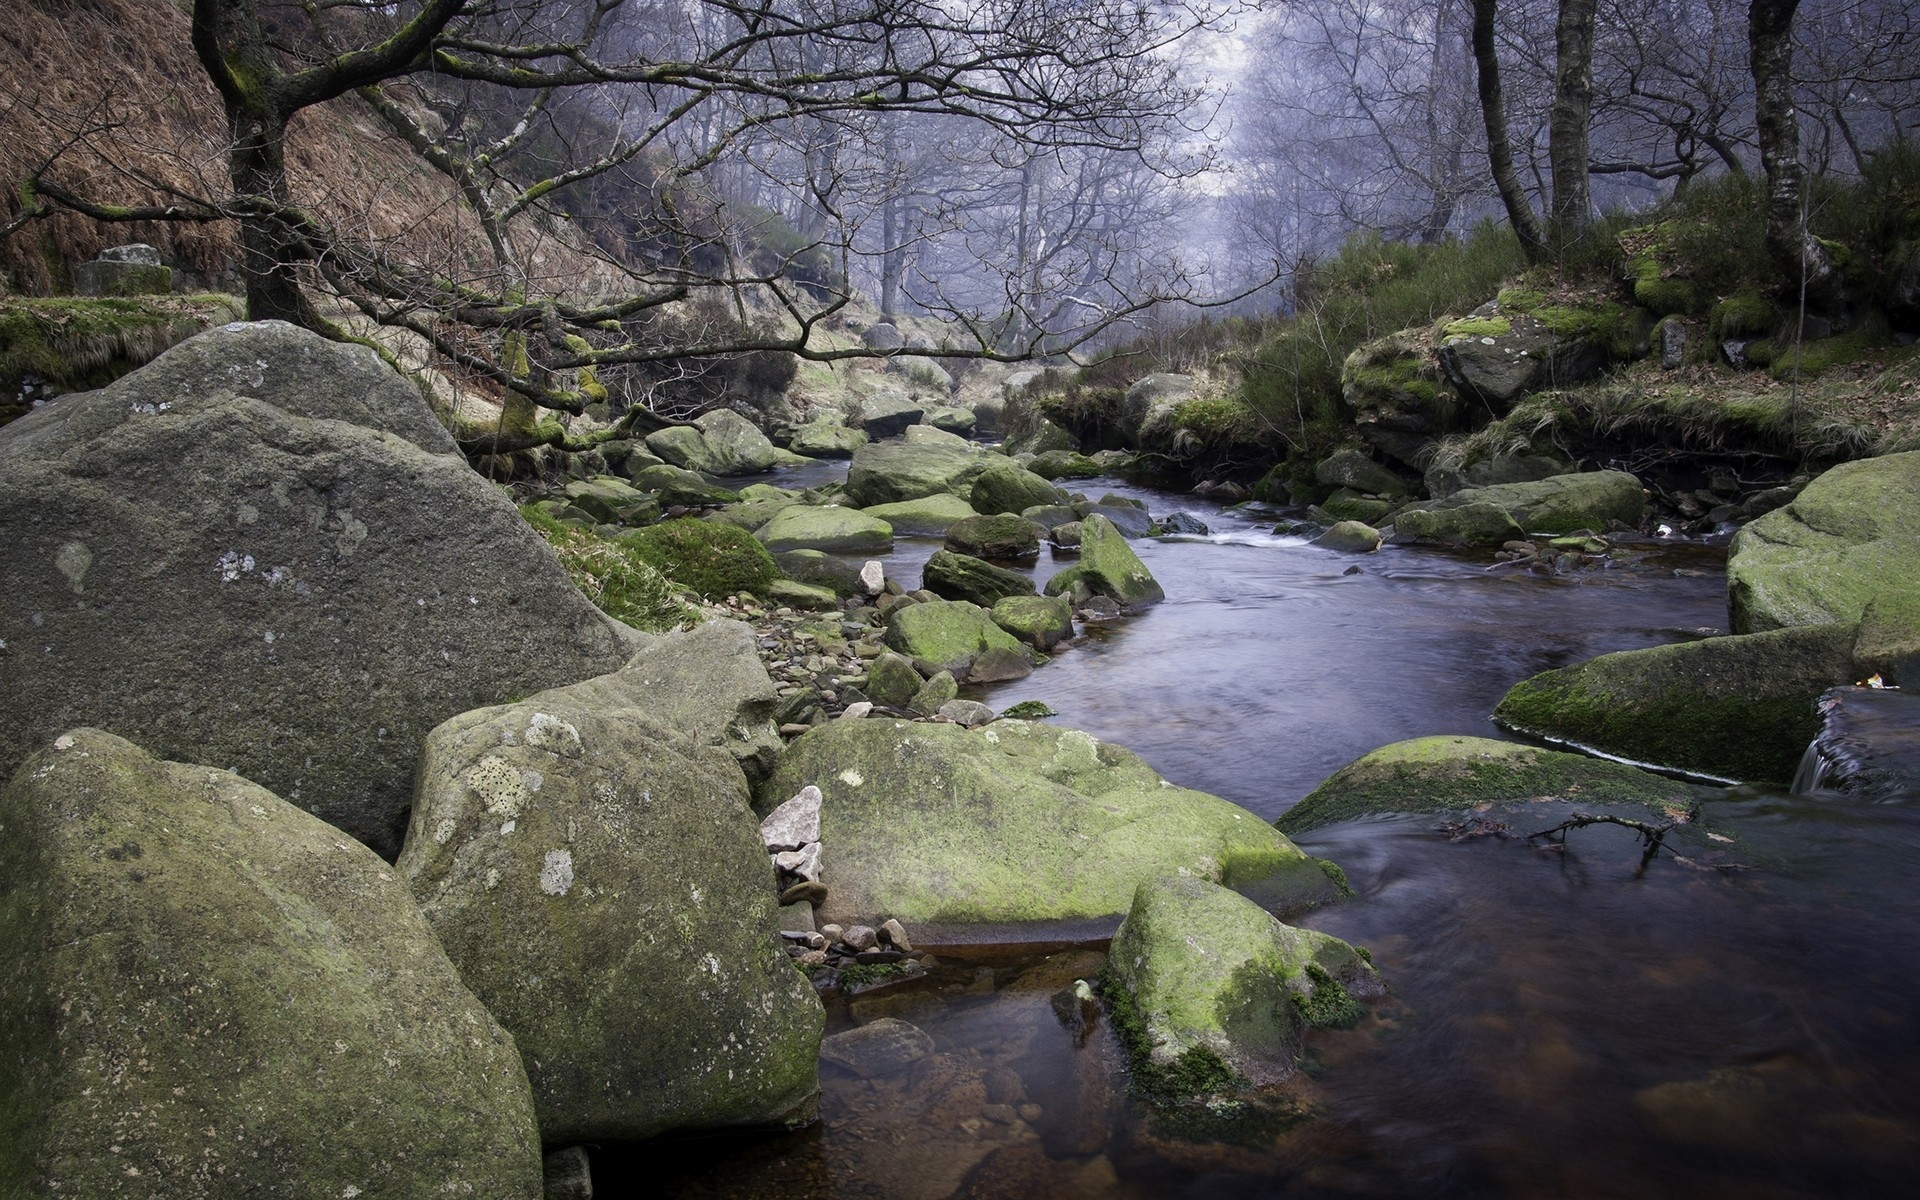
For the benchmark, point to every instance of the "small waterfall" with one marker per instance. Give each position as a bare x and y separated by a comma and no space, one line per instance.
1814,768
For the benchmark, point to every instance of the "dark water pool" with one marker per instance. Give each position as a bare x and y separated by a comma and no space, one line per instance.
1560,1024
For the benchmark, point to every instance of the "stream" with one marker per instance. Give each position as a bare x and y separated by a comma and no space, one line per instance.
1559,1022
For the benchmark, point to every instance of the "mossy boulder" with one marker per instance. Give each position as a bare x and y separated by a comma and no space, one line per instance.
1348,505
600,882
925,517
612,501
1739,707
1038,435
1218,992
1454,773
263,552
1004,486
1592,500
1400,399
933,435
794,594
1042,622
1350,537
884,473
1002,535
892,681
829,528
887,413
1444,480
951,418
963,577
820,569
1351,469
1889,641
210,993
1150,401
1015,822
1465,525
713,559
1849,536
750,515
1065,464
734,444
1506,350
678,487
955,636
1110,568
823,439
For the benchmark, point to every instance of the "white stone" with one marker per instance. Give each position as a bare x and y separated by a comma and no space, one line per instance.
857,710
873,577
794,823
804,862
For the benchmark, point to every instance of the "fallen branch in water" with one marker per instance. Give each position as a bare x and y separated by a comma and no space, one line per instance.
1651,836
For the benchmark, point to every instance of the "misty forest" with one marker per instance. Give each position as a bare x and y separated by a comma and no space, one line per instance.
977,599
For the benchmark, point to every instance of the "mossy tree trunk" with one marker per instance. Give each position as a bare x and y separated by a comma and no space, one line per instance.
1493,110
1770,53
1572,115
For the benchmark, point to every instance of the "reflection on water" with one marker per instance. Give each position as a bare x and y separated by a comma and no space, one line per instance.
1560,1024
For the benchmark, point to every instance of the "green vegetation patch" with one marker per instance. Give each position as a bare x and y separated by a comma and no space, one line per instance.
77,342
713,559
619,582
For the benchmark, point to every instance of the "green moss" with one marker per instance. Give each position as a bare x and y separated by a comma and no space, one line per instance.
1745,314
1029,710
1327,1004
1811,358
1666,296
620,583
713,559
1439,774
1520,300
1477,327
863,975
1337,874
75,342
1196,1072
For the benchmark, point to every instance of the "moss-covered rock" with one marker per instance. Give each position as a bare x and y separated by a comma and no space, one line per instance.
714,560
751,515
1351,537
1351,469
892,681
1015,821
884,473
71,343
1039,435
1849,536
820,569
1220,991
830,528
823,439
1001,535
950,418
1440,774
963,577
677,486
619,582
1006,487
1042,622
887,413
794,594
612,501
1110,568
1347,505
924,517
599,881
210,993
734,445
1737,707
951,634
1466,525
1889,641
1563,504
1065,464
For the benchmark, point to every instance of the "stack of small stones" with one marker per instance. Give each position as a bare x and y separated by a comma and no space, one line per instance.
791,834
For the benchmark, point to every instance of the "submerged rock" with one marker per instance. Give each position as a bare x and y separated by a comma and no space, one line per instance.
262,552
1438,774
1017,821
1738,707
1217,992
1851,535
601,884
209,993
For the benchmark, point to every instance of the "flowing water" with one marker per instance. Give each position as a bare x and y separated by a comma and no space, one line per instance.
1560,1024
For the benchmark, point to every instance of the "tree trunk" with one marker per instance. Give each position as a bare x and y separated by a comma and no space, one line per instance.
1493,110
257,165
1795,251
1572,206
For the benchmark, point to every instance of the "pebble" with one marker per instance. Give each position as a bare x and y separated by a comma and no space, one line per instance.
894,934
831,932
808,891
860,937
856,711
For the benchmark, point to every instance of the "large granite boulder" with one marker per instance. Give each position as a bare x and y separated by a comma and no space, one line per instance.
887,413
1515,346
827,439
262,552
1849,536
1004,486
1002,536
957,637
679,486
1462,525
927,516
963,577
1108,567
1593,500
1351,469
1220,991
1446,479
1042,622
599,881
829,528
1738,707
1015,821
951,418
1038,435
884,473
707,682
721,442
1452,773
1401,401
209,993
